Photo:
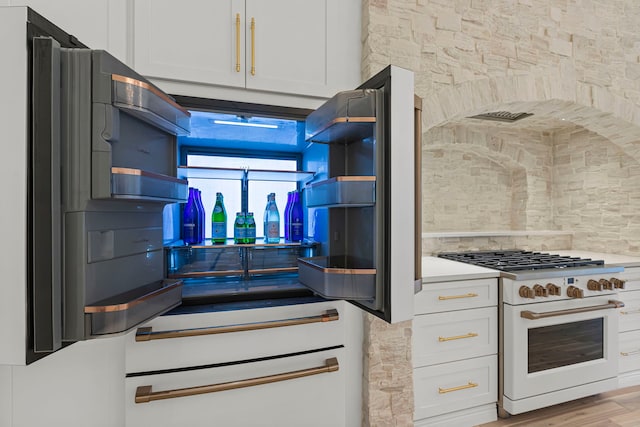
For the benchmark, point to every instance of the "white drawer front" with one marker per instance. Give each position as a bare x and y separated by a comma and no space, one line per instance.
630,313
446,296
449,387
143,356
629,347
315,400
446,337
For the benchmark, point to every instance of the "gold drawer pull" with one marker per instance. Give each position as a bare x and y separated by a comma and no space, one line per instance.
144,394
147,334
460,387
458,337
630,353
630,311
469,295
253,46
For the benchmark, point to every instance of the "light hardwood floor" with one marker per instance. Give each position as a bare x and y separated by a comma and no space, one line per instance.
615,408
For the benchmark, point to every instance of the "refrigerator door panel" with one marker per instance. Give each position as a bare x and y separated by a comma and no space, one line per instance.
367,196
46,236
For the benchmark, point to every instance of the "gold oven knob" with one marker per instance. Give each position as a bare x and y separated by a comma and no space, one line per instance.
553,289
573,292
539,290
606,284
617,283
526,292
592,285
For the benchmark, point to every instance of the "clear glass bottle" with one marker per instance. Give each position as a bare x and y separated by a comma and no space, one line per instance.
287,217
296,218
239,229
272,221
219,221
190,218
250,225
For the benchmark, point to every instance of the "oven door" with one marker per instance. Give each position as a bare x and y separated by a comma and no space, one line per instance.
557,345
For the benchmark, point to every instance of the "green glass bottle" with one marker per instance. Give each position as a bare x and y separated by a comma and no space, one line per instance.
219,221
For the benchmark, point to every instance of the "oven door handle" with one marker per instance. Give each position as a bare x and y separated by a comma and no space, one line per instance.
531,315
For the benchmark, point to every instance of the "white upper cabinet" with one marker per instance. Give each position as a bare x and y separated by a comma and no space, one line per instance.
301,47
99,24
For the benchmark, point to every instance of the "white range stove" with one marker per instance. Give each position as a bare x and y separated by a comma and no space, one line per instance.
558,326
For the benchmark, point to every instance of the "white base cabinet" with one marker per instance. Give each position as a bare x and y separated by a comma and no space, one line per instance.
78,386
455,346
629,324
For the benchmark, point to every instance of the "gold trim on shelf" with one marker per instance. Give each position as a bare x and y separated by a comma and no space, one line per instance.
147,334
140,172
253,46
144,394
273,270
150,88
630,353
448,297
458,388
212,273
458,337
330,270
130,304
353,178
237,42
531,315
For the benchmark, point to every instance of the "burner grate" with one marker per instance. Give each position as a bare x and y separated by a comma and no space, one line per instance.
516,260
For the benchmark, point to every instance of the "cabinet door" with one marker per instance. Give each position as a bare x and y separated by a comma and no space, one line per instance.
98,24
191,40
310,47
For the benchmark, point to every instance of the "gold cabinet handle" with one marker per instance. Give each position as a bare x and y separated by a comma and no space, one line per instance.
144,394
460,387
147,334
458,337
253,46
469,295
237,42
630,312
630,353
531,315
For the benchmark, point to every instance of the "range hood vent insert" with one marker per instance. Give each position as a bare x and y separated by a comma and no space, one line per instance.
501,116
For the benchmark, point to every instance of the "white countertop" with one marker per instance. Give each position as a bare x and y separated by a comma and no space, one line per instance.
436,269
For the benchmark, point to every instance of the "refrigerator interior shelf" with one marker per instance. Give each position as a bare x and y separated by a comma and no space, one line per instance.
337,277
342,191
136,184
124,311
198,172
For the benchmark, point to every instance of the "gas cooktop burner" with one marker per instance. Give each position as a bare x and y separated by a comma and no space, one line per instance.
515,260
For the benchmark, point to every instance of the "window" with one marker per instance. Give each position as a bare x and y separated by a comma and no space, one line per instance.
231,189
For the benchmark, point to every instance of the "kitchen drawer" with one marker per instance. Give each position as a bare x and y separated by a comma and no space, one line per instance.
631,276
630,313
313,400
458,295
446,337
185,351
449,387
629,347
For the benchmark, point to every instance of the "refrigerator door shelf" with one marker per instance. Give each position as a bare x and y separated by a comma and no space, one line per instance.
136,184
347,117
122,312
337,277
342,192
